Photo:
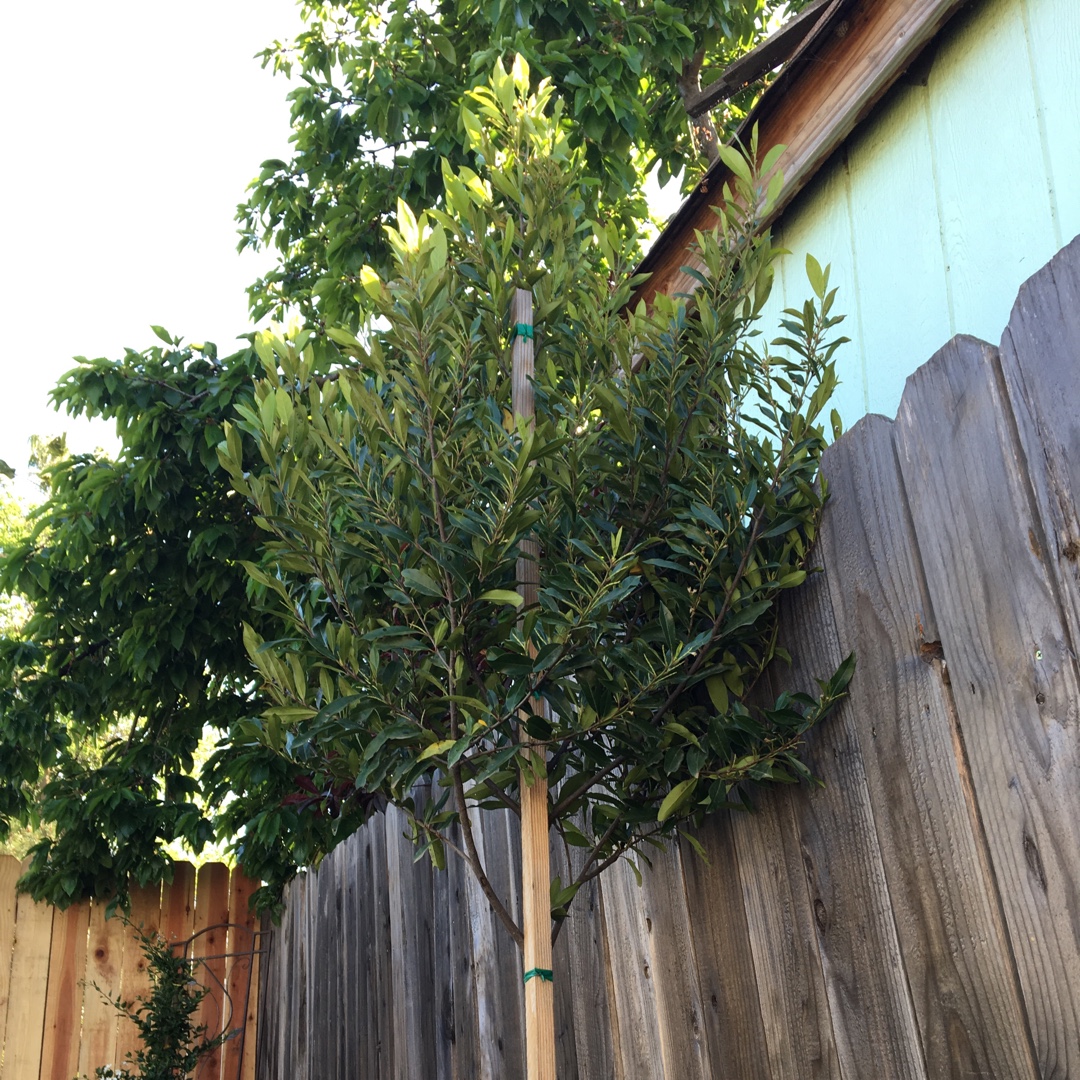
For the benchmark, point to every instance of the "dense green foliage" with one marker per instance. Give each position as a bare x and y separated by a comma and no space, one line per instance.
172,1044
669,483
131,650
133,641
376,110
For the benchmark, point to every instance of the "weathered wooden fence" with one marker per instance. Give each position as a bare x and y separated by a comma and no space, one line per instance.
55,1023
916,917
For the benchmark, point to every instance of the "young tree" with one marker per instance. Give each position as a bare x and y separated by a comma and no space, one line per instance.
132,645
668,485
133,567
376,110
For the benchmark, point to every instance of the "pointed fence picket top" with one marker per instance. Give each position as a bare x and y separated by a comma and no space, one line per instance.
914,917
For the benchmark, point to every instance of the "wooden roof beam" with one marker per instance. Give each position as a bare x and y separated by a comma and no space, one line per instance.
775,50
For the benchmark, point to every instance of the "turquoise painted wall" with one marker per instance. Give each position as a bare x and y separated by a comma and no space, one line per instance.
957,188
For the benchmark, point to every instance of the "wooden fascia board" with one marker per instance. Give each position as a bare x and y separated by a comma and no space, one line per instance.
842,74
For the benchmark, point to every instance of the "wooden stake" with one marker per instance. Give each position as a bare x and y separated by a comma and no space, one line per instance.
535,852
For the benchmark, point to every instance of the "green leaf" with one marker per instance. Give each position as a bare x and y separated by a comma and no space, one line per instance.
436,749
418,582
678,795
502,596
816,276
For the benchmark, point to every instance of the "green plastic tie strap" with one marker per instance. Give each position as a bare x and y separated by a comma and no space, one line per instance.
524,330
539,973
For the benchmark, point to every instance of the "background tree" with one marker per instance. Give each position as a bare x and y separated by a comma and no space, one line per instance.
133,566
377,108
669,482
132,644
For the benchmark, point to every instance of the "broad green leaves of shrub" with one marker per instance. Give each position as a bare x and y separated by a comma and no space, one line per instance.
670,483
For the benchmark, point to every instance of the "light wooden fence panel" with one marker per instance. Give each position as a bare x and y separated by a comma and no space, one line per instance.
916,917
55,966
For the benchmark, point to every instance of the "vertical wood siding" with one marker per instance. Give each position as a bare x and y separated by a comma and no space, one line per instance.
915,917
54,966
960,184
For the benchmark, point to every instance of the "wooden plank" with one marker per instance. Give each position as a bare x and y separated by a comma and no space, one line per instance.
1042,379
680,1014
178,904
872,1015
498,964
949,922
209,947
26,1008
793,1001
1012,667
324,929
634,999
584,979
810,112
465,1038
566,1063
63,1005
296,1029
10,872
135,983
724,960
443,988
243,985
411,915
105,955
383,1031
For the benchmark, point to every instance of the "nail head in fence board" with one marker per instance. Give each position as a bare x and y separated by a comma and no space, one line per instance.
134,970
793,1002
948,920
1011,667
678,999
635,1002
724,961
105,955
10,872
63,1005
29,985
211,916
243,982
1040,359
872,1015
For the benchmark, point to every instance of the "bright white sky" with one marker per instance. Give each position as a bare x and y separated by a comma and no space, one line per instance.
132,128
